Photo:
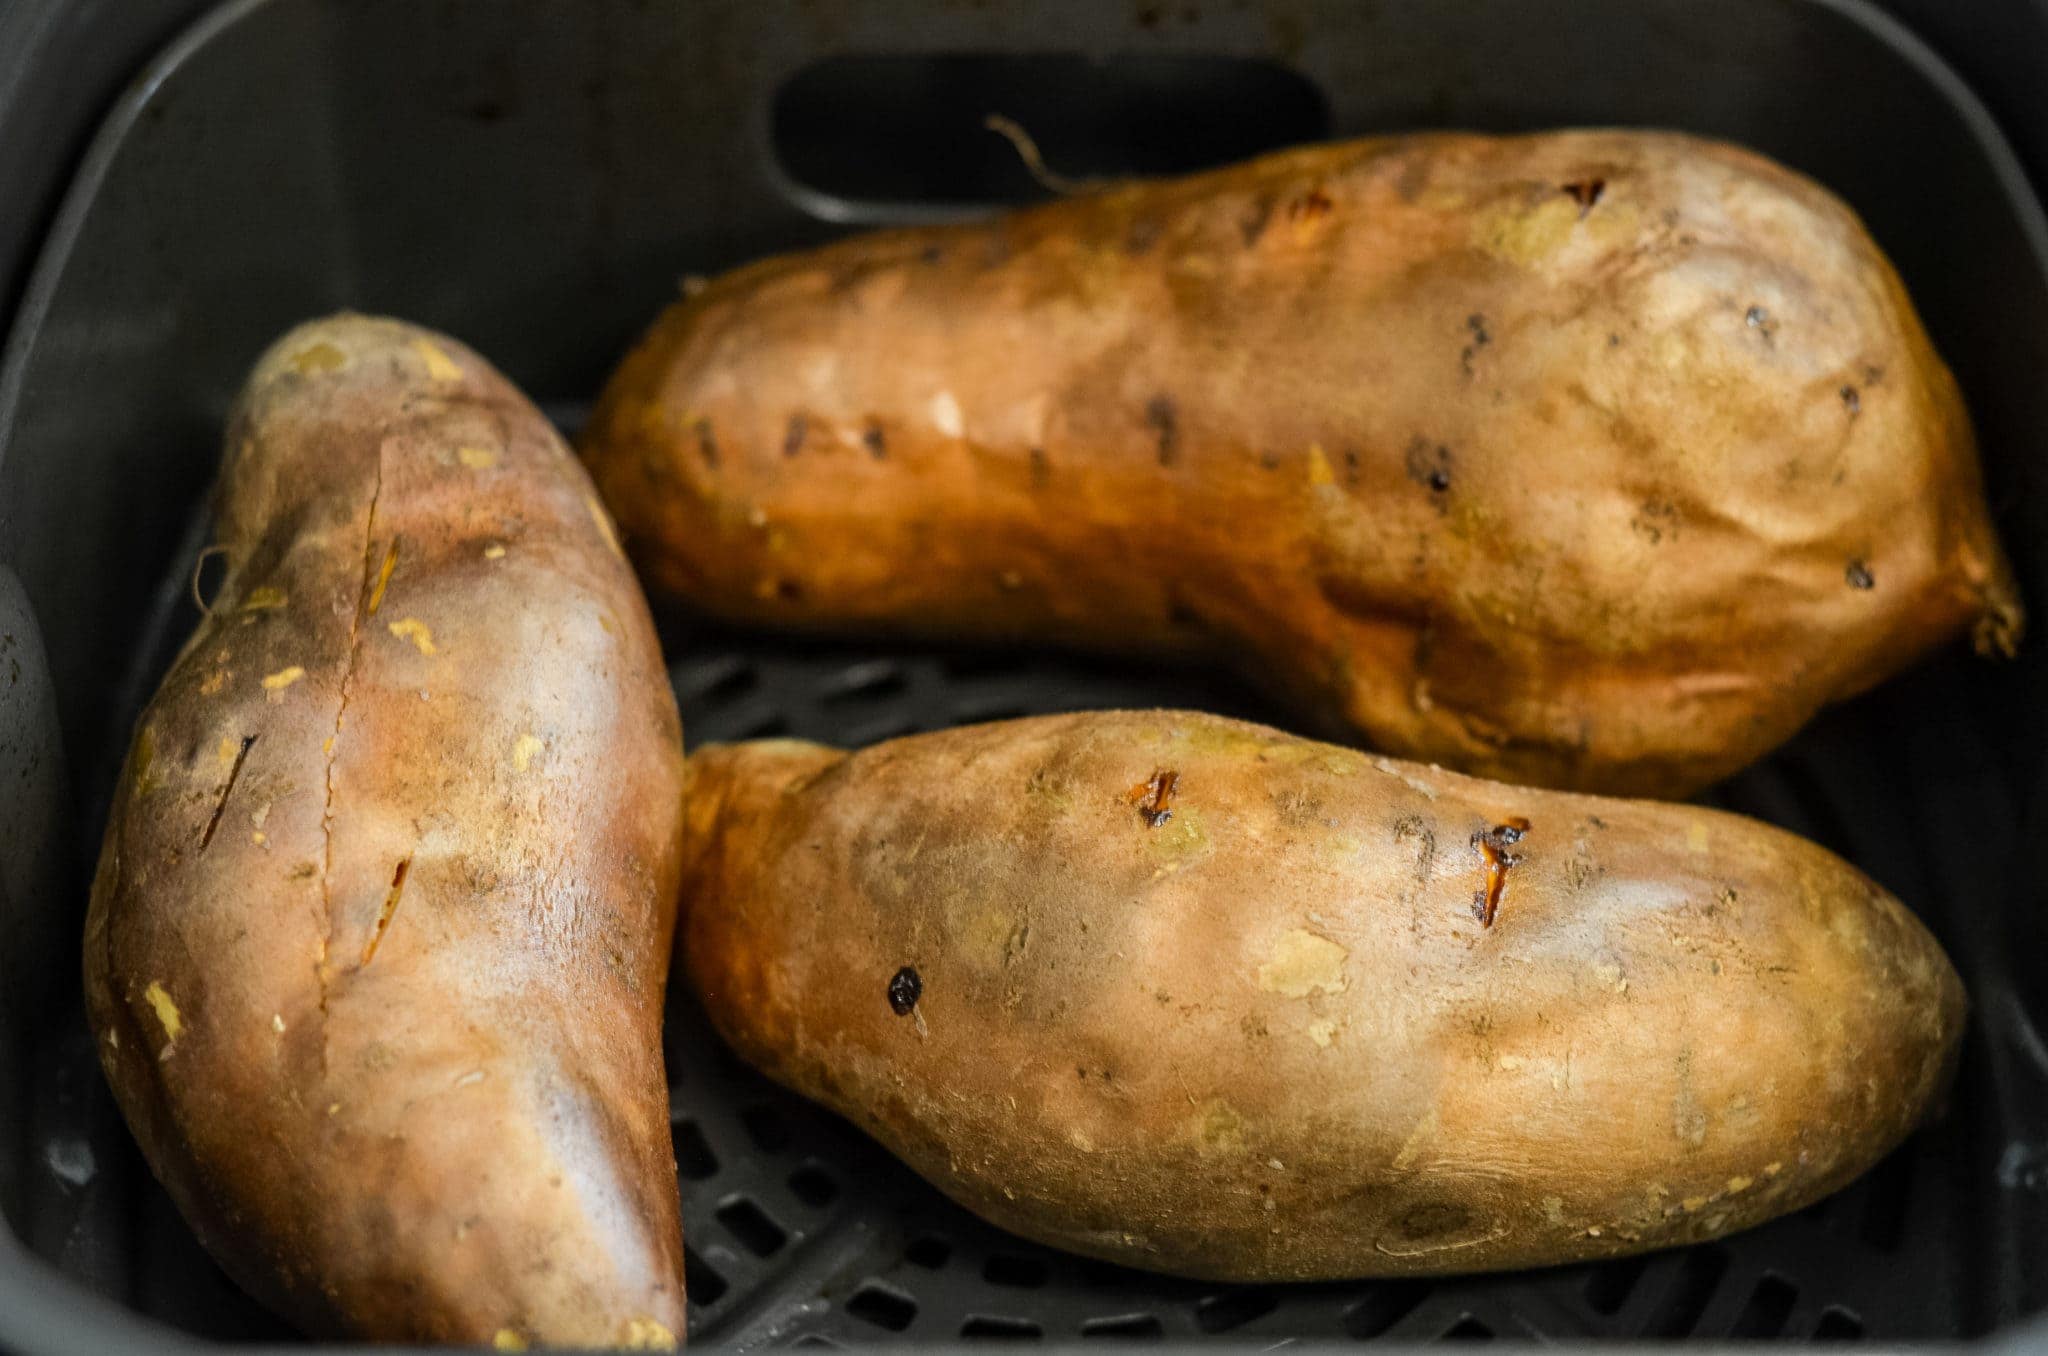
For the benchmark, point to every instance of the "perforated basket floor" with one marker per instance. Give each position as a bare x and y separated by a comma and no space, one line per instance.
799,1230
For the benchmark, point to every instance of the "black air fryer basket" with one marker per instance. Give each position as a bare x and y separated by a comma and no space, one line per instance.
536,178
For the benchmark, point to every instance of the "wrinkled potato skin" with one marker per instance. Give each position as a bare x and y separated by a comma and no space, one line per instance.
1575,493
1269,1039
457,1130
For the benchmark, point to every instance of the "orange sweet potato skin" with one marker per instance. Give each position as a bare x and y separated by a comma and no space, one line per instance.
378,941
1194,995
1590,459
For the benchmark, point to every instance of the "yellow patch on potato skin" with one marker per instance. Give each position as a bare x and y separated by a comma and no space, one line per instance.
505,1339
1513,232
264,598
440,367
383,578
1697,839
494,552
414,630
316,359
225,751
526,750
145,762
215,681
283,678
1319,472
604,525
1301,963
1219,1127
647,1334
1322,1033
166,1010
476,458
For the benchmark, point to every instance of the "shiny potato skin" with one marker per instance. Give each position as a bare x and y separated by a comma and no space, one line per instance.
1593,459
1268,1037
378,941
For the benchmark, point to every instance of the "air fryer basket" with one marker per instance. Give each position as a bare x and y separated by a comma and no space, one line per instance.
536,177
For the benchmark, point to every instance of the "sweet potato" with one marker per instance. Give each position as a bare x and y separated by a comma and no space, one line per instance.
378,941
1194,995
1590,459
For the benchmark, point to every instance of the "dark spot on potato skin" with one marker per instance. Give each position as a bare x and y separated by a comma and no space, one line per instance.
793,440
872,439
931,254
1311,205
1434,1219
1759,319
1416,829
1253,223
1041,469
1297,809
788,590
905,988
1143,234
1475,325
1859,576
707,443
1164,420
1429,465
1586,193
1851,400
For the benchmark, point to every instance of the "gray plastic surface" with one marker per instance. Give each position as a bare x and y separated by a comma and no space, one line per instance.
536,177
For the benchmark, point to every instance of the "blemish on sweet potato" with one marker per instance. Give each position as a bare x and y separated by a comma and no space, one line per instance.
227,789
604,525
905,988
476,458
1493,845
275,683
1310,206
1859,576
166,1011
264,598
707,443
1475,325
1164,420
398,875
1429,465
872,438
1586,193
383,579
1154,797
440,367
1759,319
416,631
317,359
1852,401
525,749
1252,224
793,437
1300,963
